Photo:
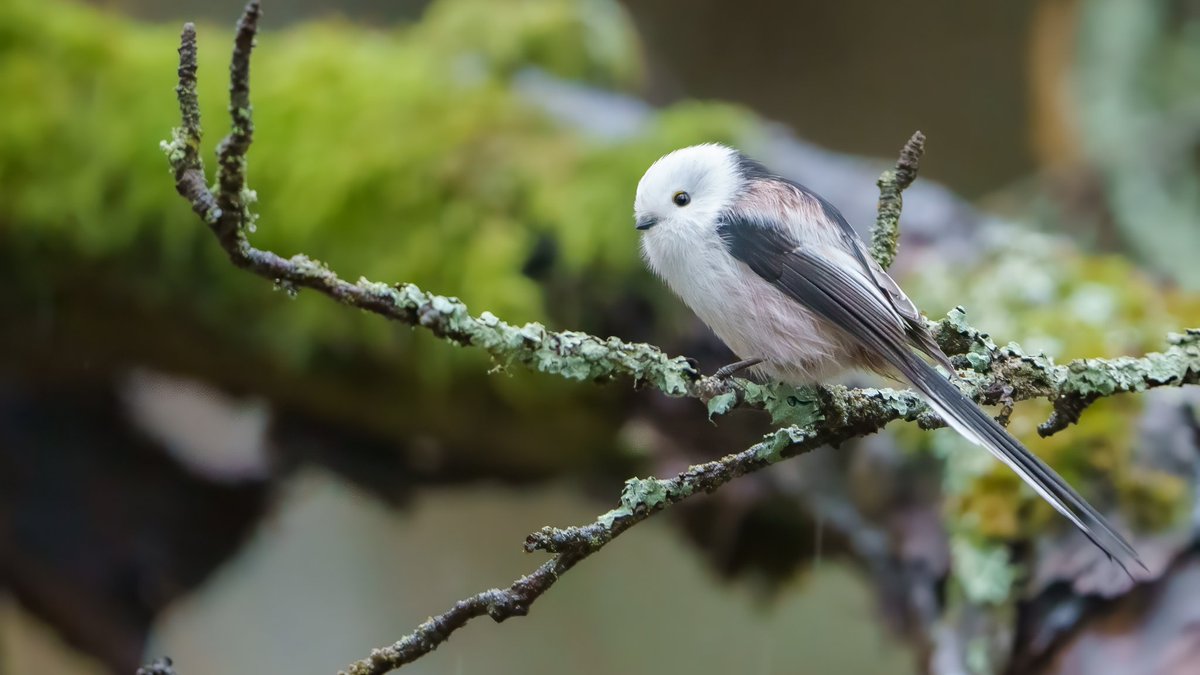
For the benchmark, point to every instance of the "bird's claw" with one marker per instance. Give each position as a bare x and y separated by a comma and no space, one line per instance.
726,372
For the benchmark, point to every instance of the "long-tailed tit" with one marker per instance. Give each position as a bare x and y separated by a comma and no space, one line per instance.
779,275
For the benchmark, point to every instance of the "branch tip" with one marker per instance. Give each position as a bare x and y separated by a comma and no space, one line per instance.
885,240
185,90
183,150
910,160
239,66
235,216
1068,409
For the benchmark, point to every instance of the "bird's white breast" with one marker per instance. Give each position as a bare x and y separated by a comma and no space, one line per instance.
752,317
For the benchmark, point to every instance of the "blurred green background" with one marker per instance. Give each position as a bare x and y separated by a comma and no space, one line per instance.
194,463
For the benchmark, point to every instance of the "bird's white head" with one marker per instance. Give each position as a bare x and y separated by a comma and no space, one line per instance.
687,189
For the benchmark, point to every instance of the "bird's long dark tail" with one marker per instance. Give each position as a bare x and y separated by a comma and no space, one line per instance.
978,427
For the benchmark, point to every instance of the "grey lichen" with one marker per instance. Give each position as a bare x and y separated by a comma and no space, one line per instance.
885,241
1105,377
645,493
569,354
782,443
721,403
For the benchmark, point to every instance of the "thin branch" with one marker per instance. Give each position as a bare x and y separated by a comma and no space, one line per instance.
497,603
885,240
233,197
1088,380
183,150
817,417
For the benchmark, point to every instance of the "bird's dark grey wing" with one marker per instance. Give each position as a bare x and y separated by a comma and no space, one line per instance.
843,299
917,332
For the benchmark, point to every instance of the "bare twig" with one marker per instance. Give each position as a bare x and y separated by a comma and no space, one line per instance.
233,197
496,603
823,416
184,148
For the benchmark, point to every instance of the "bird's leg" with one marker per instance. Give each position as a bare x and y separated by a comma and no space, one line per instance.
732,369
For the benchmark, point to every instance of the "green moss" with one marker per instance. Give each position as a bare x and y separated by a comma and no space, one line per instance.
385,153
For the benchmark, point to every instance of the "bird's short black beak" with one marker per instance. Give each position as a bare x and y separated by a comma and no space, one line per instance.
646,222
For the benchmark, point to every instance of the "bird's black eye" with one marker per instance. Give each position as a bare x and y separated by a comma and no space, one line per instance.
682,198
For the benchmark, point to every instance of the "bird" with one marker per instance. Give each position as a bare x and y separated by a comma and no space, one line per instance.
780,276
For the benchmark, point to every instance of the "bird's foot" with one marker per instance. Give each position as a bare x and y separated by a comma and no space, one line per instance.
732,369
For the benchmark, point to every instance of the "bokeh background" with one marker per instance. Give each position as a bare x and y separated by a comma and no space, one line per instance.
197,464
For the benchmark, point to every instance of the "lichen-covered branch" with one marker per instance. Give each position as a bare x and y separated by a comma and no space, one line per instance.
1006,374
569,354
1086,380
232,197
500,604
866,411
837,414
184,148
885,240
813,417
